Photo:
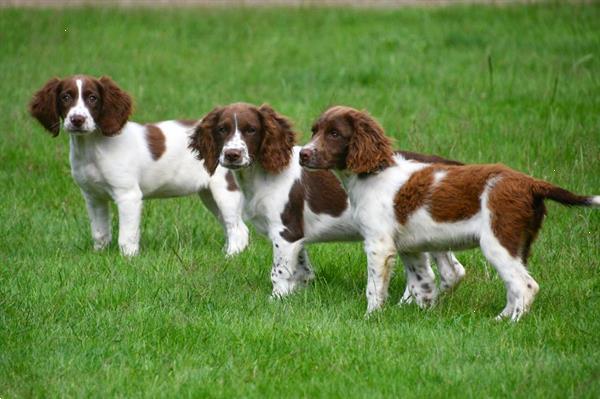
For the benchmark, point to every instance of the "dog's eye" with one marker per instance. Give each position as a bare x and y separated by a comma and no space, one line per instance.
66,97
251,130
92,99
334,133
222,130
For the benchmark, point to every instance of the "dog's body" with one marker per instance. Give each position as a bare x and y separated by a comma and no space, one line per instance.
290,205
112,159
409,207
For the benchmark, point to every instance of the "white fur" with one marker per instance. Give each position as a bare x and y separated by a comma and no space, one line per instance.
80,110
121,168
236,143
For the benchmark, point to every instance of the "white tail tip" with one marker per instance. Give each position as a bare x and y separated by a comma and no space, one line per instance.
595,201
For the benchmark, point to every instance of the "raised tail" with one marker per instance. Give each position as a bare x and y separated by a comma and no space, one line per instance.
544,190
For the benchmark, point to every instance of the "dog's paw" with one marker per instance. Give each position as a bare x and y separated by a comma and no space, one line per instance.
129,250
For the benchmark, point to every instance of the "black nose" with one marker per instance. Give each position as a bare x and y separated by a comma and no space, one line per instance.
305,155
233,155
77,120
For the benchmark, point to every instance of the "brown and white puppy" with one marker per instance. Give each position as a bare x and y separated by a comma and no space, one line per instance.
409,206
290,205
113,159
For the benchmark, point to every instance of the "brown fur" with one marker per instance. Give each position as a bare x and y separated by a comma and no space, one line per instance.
292,216
324,192
369,149
278,141
116,107
413,194
457,196
202,141
156,141
43,106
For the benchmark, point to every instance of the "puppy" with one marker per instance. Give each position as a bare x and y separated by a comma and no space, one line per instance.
406,206
126,162
290,205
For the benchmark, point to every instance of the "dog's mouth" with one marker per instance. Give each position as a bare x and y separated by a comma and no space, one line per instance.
312,164
78,131
235,165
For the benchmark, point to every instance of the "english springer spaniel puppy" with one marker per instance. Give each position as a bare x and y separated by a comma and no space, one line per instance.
113,159
290,205
403,205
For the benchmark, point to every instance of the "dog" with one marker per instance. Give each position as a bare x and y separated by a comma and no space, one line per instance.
289,205
113,159
407,206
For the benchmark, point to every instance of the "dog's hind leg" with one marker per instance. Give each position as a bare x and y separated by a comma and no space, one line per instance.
289,271
451,270
420,278
521,288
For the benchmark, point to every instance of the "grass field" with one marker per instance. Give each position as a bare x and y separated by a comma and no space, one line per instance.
518,85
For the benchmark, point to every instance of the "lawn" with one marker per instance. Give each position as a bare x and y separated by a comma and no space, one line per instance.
518,85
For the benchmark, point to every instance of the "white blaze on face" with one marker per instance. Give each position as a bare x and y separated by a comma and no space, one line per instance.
310,145
236,142
80,110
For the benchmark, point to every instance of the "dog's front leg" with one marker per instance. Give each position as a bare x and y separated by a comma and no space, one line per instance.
287,274
381,258
130,210
99,215
229,203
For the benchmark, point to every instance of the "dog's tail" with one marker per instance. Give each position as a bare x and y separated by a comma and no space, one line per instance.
543,189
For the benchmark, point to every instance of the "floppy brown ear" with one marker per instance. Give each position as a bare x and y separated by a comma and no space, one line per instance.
202,142
278,140
116,107
369,149
43,106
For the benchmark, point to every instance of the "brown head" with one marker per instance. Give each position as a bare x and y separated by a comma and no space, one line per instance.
83,103
345,138
240,134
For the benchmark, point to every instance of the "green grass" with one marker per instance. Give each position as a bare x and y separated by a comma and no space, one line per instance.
518,85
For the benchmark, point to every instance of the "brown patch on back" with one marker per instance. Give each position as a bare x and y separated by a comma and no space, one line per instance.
413,194
231,183
156,141
324,192
293,214
457,196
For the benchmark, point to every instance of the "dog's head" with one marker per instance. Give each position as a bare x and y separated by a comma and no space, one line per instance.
345,138
83,103
240,134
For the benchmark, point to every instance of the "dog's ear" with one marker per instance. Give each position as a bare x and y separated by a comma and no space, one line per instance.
116,107
369,149
44,107
202,142
278,140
